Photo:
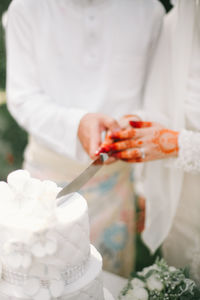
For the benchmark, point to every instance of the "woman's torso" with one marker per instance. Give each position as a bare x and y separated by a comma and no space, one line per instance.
182,246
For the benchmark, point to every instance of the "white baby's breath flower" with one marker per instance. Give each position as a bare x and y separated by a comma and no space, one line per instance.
154,283
137,283
172,269
137,294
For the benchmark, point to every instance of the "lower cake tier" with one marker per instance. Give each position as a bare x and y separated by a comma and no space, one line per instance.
88,287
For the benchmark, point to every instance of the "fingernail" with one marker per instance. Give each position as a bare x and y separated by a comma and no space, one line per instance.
113,135
105,149
97,152
101,150
135,124
140,124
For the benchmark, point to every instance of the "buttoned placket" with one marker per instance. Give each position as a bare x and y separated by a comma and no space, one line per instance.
92,37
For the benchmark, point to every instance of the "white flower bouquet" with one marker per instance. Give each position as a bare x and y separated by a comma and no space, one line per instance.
161,282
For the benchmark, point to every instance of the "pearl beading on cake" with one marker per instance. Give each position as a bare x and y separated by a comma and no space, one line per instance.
93,291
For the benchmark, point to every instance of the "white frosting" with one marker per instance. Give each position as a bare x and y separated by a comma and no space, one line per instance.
45,251
34,230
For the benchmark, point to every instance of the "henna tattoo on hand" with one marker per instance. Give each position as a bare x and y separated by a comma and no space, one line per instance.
167,140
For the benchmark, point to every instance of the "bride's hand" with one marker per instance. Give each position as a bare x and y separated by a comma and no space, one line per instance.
144,141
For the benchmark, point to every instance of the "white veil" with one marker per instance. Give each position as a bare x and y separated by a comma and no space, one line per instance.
165,93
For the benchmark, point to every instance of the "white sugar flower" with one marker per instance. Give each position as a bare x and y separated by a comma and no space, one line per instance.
33,196
148,269
44,283
43,245
172,269
137,294
154,283
137,283
18,179
26,191
49,191
17,255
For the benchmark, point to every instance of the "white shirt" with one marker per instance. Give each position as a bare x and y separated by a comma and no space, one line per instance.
70,57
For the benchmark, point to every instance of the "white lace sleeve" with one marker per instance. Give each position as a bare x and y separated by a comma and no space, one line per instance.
189,152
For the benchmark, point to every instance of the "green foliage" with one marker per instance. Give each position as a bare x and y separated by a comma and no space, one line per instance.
2,60
12,143
3,7
166,4
162,283
143,256
12,138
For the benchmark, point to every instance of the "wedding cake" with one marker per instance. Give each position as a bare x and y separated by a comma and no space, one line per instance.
45,251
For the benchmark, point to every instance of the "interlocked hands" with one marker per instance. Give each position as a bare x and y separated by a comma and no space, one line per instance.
130,139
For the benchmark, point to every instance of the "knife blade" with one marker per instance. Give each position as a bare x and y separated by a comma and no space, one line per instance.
82,179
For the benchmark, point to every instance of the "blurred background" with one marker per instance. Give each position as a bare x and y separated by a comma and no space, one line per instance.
13,139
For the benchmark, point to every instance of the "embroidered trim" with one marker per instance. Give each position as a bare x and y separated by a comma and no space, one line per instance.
189,152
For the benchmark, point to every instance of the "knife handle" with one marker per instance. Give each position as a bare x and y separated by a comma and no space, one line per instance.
104,157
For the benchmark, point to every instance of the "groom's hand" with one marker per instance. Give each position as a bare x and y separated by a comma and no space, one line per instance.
90,131
144,141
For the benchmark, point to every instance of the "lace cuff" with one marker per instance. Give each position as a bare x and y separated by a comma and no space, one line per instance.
189,152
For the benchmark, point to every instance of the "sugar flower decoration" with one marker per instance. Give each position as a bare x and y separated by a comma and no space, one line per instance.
43,245
17,255
44,282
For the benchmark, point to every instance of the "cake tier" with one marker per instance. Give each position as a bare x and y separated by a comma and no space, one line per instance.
88,287
107,296
33,230
58,242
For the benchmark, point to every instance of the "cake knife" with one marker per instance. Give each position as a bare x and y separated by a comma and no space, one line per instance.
82,179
